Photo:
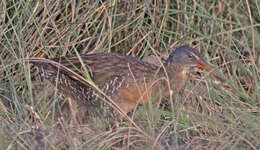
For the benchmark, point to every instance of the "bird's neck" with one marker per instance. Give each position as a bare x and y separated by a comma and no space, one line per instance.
177,76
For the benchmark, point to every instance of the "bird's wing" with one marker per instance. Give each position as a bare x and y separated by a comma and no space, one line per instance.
101,67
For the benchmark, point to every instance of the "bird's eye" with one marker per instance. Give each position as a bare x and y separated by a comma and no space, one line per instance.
190,55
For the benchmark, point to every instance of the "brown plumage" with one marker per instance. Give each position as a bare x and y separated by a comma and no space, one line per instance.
127,80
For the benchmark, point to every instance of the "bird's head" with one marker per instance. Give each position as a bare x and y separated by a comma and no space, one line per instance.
187,58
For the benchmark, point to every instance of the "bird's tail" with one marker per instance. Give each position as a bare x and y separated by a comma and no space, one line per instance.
47,68
52,68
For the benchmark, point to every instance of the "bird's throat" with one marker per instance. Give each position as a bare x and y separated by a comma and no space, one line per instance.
177,76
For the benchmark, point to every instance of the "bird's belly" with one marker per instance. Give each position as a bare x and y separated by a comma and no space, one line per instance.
129,97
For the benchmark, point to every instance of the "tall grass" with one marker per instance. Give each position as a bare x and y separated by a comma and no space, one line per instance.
207,114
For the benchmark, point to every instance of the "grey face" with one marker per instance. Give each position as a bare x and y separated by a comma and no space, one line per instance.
187,57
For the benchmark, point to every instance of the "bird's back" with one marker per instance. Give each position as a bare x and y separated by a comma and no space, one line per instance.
102,67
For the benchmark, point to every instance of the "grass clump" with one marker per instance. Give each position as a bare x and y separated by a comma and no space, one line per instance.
206,115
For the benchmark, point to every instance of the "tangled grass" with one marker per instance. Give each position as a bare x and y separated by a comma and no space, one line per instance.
207,115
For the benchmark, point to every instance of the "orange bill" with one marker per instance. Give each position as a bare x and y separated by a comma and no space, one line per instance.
204,65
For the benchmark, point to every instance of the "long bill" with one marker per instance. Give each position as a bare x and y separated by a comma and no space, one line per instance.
212,70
